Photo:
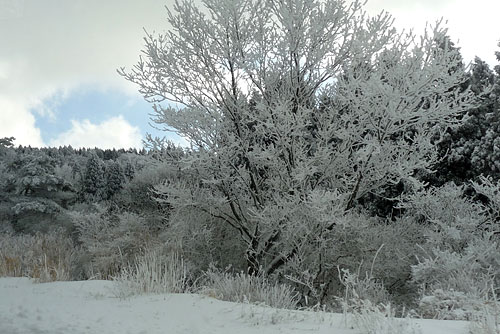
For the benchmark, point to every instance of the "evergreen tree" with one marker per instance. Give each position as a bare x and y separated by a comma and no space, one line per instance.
129,171
114,179
93,181
473,148
7,142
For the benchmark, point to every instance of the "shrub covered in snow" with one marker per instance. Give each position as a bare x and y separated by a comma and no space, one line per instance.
459,260
112,241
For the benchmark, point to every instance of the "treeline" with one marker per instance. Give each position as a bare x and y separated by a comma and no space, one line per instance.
40,186
63,177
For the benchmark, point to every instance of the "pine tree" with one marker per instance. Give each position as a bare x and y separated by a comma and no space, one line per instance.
129,171
6,143
93,181
114,179
471,149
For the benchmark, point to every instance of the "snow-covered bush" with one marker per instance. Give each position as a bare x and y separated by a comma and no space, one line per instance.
379,319
153,272
111,240
44,257
459,271
459,258
447,304
450,219
487,187
390,249
453,285
241,287
358,243
203,241
138,192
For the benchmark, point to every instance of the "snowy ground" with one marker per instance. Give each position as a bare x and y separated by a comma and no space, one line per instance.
90,307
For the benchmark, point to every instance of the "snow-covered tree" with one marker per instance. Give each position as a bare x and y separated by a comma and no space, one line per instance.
129,171
93,181
472,149
114,179
295,109
7,142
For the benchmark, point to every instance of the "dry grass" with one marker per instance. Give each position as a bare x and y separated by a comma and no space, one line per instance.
44,257
153,272
365,310
243,288
487,320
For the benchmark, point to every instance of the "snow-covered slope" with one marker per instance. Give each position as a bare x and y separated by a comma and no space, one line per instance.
90,307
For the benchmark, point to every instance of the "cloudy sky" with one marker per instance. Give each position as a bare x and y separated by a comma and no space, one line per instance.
58,61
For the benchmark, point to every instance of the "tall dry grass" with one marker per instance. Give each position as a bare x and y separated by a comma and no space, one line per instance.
44,257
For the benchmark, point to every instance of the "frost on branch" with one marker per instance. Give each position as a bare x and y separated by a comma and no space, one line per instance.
294,109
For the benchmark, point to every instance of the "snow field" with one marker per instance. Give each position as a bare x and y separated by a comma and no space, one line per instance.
91,307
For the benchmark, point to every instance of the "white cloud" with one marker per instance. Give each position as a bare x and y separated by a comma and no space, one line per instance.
60,44
115,132
51,47
16,121
470,24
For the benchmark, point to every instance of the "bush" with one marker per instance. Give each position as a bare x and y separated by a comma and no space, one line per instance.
453,285
203,241
361,244
138,194
112,241
379,319
458,259
449,219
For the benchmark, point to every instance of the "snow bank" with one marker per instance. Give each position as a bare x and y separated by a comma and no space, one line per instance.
90,307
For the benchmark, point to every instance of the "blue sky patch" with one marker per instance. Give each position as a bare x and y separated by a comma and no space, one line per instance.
54,116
